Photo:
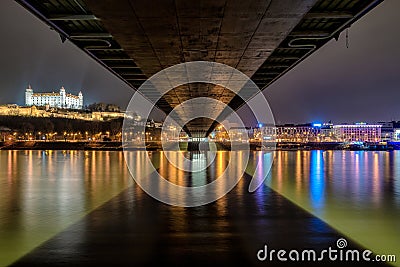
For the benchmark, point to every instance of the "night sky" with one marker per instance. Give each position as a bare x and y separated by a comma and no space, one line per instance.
359,83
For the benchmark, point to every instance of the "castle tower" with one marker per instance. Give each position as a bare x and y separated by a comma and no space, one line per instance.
63,98
28,96
80,106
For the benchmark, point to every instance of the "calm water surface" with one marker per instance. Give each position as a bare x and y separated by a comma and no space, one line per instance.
80,208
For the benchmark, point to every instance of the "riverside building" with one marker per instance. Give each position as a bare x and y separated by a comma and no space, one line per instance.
358,132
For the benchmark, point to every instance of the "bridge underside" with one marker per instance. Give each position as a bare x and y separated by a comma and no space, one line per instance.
261,38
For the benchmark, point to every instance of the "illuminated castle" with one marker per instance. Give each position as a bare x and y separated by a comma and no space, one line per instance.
58,100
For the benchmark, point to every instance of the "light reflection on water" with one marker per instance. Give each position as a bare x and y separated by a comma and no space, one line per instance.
42,192
358,193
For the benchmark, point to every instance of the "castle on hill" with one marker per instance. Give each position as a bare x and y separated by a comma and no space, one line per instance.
57,100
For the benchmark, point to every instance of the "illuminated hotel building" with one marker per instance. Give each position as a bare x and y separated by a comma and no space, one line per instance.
327,132
358,132
57,100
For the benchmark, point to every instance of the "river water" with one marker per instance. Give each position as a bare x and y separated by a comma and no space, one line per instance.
82,208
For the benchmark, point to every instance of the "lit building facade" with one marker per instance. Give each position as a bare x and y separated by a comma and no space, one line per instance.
240,133
387,130
57,100
396,135
328,132
265,132
359,132
298,133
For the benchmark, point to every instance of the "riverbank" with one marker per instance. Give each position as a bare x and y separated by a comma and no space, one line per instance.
192,146
60,145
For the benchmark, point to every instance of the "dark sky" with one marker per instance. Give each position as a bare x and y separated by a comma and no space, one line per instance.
359,83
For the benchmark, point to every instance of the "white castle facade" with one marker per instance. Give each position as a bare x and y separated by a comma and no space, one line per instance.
57,100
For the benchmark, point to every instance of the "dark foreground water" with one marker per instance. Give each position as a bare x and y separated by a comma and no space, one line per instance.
81,208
